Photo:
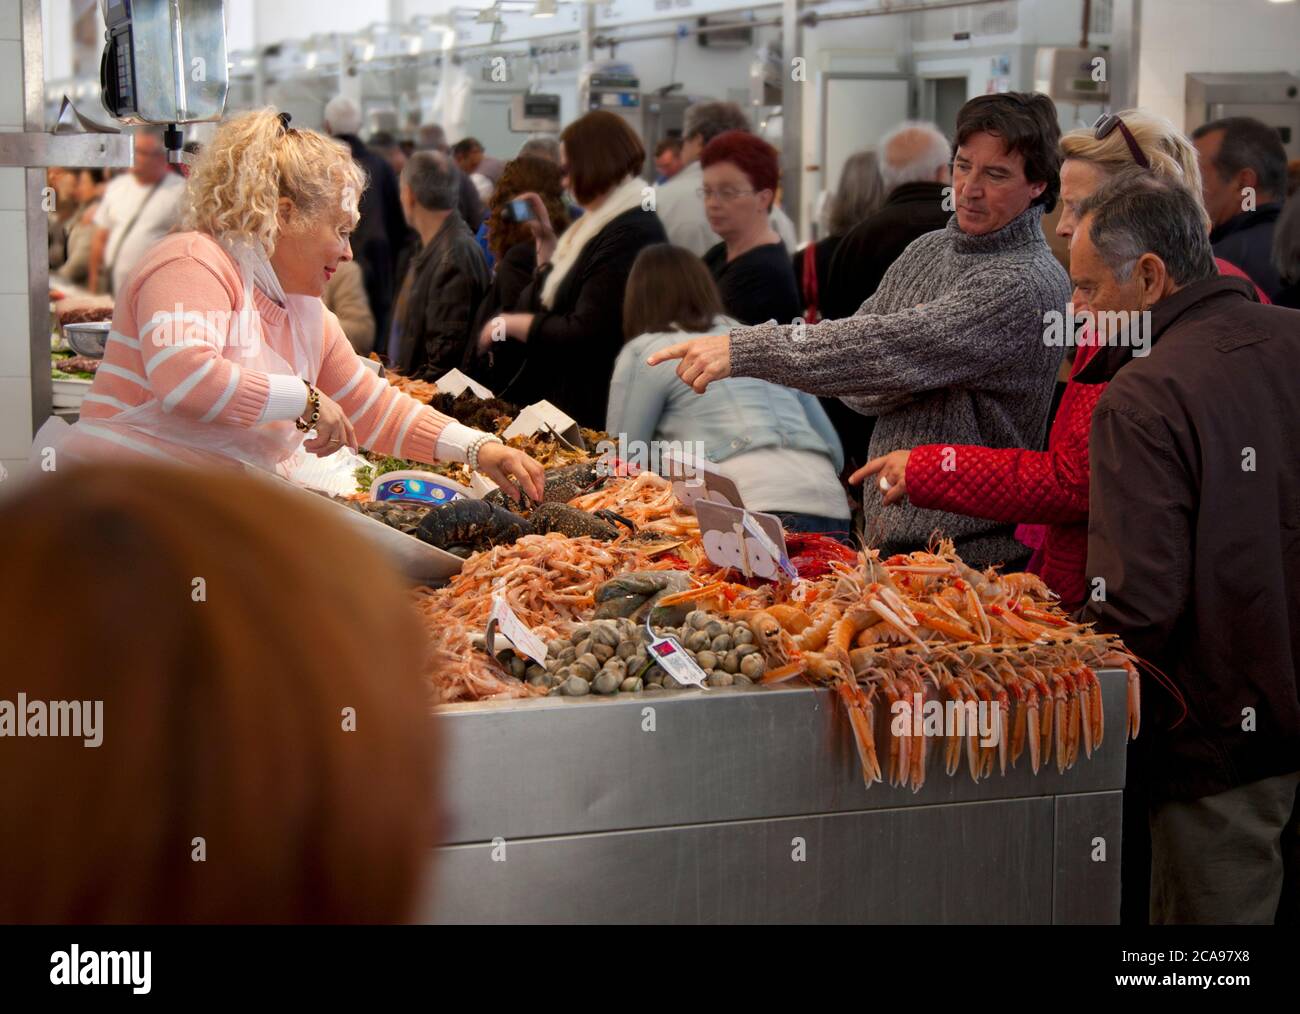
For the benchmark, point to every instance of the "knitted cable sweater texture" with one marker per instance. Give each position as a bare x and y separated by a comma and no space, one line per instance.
949,350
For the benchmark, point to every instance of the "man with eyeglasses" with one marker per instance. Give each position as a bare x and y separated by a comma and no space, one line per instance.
951,347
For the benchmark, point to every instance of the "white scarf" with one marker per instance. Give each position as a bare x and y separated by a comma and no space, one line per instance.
305,313
627,195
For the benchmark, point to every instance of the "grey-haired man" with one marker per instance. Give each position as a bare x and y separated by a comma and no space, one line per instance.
1194,547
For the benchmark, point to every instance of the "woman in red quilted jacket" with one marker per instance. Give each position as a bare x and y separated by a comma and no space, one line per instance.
1046,492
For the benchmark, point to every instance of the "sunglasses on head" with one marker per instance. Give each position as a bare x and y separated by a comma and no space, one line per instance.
1106,124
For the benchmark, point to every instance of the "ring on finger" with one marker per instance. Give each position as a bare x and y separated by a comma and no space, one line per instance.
885,483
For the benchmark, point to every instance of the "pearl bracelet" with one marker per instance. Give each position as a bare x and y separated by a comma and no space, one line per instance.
471,454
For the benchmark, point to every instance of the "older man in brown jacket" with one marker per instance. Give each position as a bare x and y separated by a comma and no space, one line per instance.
1194,546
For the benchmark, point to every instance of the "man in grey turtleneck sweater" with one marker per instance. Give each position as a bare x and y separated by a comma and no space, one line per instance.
951,348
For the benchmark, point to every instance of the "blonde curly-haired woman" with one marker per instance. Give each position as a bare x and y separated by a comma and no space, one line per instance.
220,346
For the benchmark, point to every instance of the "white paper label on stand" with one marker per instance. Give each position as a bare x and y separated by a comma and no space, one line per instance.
672,658
454,382
543,417
776,552
696,479
729,541
521,638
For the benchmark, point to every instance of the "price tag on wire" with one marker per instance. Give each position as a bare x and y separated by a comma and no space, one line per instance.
503,618
776,552
672,658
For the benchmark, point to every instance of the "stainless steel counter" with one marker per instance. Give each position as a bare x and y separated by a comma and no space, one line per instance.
747,805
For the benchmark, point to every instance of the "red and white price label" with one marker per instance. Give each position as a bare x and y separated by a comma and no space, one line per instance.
672,658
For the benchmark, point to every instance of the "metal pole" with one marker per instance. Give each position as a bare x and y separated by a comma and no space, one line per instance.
1122,68
38,264
812,18
792,115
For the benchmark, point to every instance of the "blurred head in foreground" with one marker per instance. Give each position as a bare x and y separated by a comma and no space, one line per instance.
264,749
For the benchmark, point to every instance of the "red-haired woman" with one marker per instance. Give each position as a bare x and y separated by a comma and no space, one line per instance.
751,265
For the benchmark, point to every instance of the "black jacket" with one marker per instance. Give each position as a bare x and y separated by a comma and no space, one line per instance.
380,234
1246,240
870,247
512,274
573,345
448,279
1194,526
757,286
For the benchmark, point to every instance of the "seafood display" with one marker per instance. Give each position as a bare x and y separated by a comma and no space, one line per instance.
647,501
82,314
405,517
467,526
898,634
546,450
561,485
79,367
420,390
925,654
920,644
491,415
550,582
608,656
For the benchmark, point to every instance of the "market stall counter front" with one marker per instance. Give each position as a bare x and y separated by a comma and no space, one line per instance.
748,805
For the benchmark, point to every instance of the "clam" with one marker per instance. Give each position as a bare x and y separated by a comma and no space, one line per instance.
575,686
697,640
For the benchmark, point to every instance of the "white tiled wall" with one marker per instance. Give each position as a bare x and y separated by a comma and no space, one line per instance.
1181,37
15,357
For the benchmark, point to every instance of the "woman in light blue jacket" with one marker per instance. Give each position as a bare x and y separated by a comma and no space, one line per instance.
776,444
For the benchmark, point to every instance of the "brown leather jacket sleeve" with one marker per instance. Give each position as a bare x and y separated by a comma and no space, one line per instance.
345,297
1141,512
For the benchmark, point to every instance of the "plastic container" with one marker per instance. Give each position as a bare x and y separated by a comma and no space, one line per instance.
416,486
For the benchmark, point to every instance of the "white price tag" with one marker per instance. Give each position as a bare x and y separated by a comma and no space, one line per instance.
776,552
543,417
524,641
730,540
454,382
672,658
695,479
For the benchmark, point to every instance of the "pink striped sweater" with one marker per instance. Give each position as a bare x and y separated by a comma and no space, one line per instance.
190,272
